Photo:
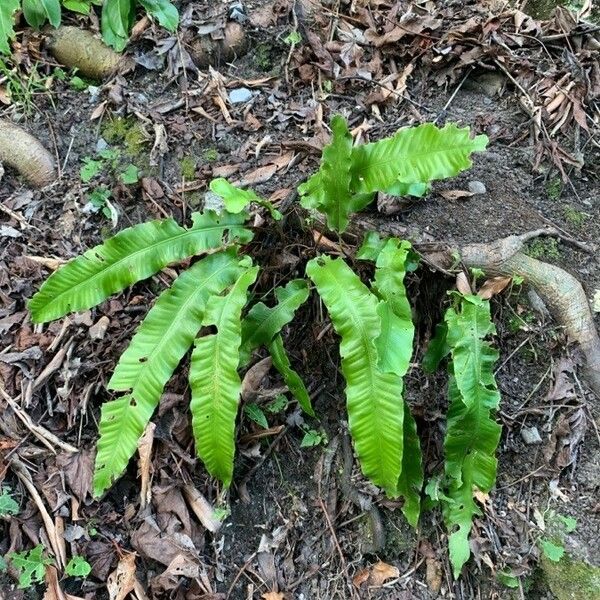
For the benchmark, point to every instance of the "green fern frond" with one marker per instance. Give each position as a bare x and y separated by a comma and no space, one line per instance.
472,434
414,155
329,190
374,398
395,342
156,349
215,382
411,478
261,328
263,323
130,256
293,381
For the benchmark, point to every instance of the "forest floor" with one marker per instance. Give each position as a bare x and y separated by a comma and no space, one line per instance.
146,144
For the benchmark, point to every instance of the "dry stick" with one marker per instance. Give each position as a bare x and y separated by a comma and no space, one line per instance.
23,474
46,437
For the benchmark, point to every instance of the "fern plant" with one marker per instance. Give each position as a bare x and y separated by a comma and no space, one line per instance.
207,309
116,21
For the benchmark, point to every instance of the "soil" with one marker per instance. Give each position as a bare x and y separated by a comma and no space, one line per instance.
290,526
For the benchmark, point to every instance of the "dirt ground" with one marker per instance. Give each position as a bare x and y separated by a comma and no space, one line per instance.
292,525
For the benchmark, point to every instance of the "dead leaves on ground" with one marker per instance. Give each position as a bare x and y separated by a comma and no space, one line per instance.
376,575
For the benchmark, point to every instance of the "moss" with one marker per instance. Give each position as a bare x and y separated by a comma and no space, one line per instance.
554,188
262,56
187,166
127,132
574,217
569,579
210,155
544,248
194,200
399,535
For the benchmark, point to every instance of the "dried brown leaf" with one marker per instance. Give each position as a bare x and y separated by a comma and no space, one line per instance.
462,284
145,451
121,581
455,194
381,572
493,286
253,377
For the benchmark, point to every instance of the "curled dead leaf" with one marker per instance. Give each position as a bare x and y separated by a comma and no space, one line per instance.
455,194
493,286
462,284
376,575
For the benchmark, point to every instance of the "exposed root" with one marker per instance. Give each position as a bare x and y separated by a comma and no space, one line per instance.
562,293
25,154
74,47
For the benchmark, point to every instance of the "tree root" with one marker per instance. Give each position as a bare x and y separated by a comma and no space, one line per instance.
25,154
74,47
562,293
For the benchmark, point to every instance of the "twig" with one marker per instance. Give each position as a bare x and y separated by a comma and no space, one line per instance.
57,547
332,531
451,99
46,437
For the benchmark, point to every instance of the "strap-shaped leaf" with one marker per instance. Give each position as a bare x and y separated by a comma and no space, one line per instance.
472,435
130,256
329,189
413,155
263,323
395,348
8,8
395,342
374,398
215,382
293,381
156,349
410,482
472,359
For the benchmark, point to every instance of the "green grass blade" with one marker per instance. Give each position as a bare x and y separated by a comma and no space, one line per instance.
130,256
215,382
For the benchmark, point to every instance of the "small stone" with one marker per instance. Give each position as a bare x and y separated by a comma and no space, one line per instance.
531,435
101,145
240,95
98,330
476,187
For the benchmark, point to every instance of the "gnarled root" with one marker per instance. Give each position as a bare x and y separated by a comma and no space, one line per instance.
74,47
25,154
561,292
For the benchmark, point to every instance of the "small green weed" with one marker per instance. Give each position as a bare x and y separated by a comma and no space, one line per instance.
544,248
31,565
78,567
8,505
